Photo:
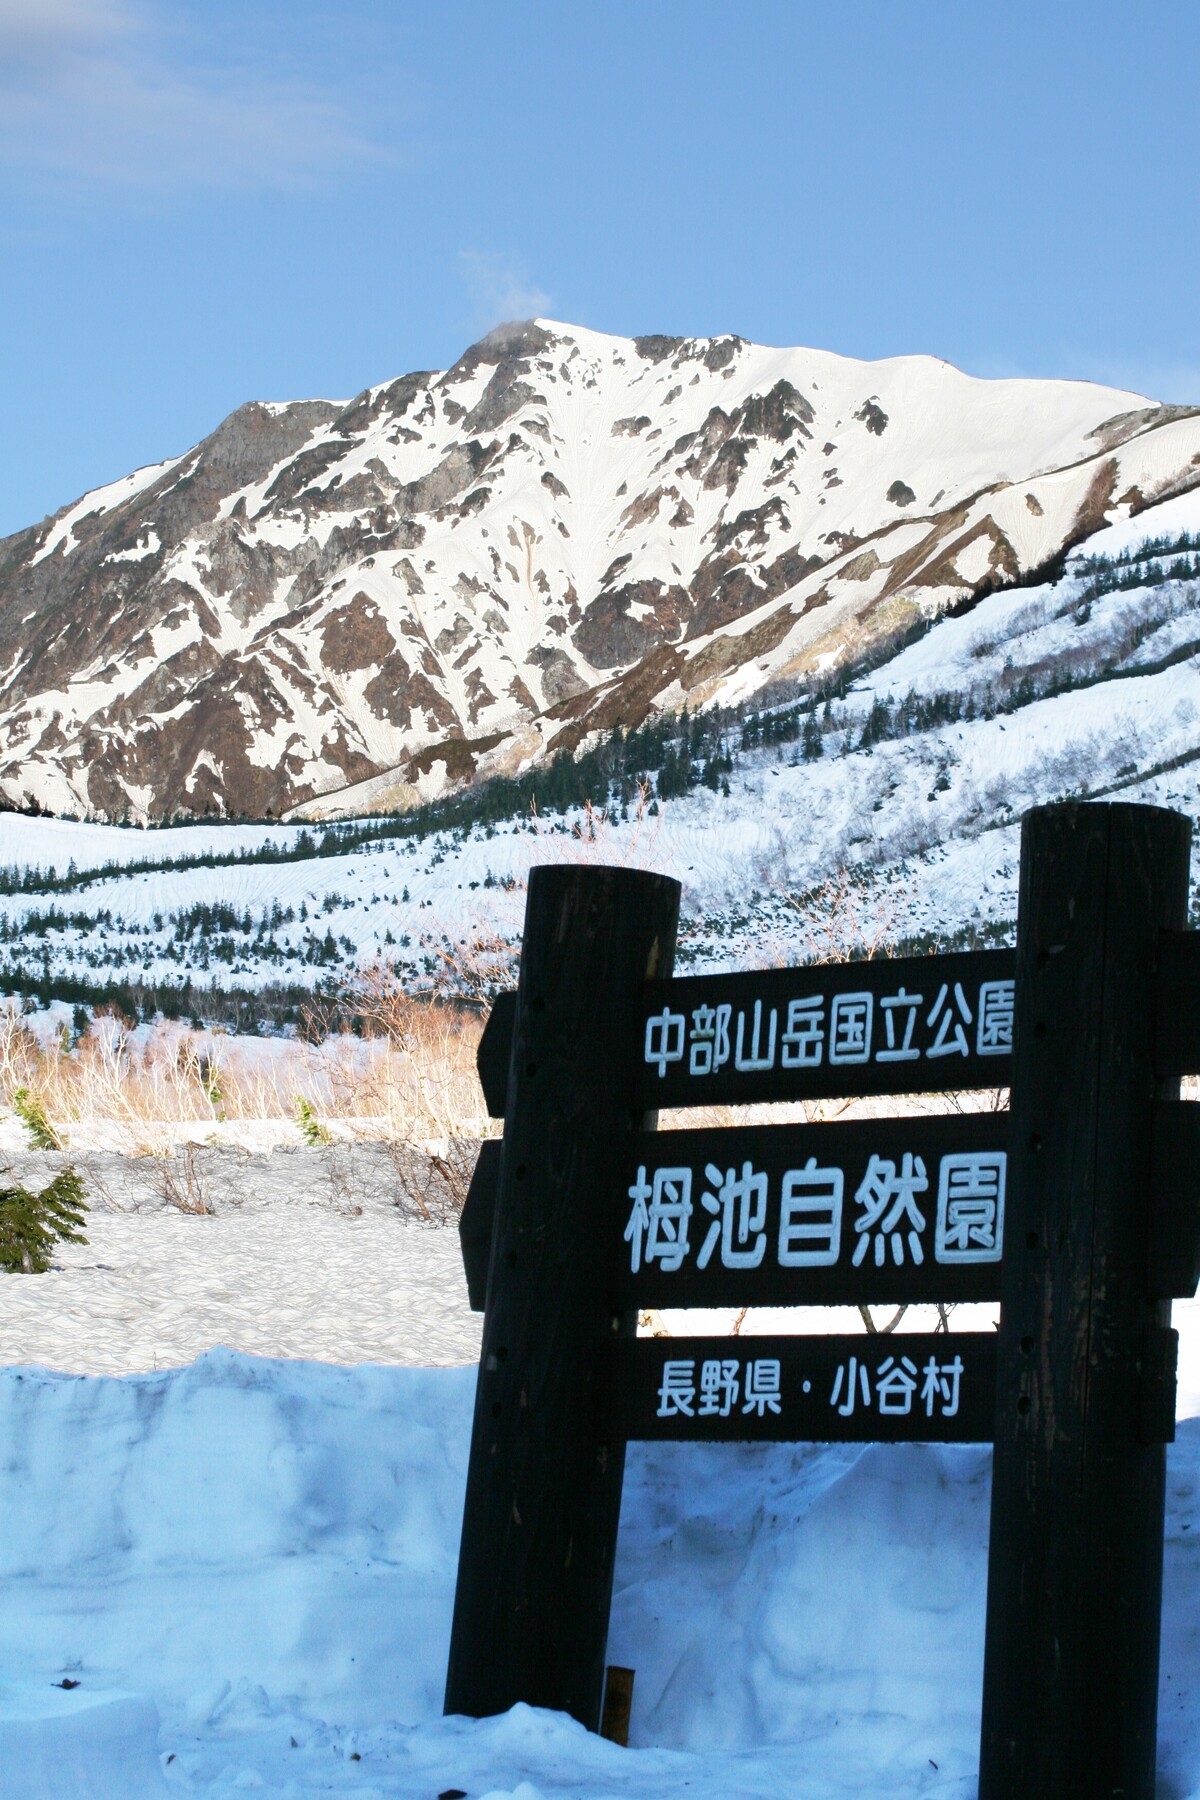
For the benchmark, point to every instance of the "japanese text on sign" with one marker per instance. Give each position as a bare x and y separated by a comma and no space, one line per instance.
897,1381
722,1387
727,1222
841,1030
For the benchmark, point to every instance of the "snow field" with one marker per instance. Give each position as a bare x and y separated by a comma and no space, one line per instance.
305,1253
930,817
247,1561
248,1567
53,844
292,1280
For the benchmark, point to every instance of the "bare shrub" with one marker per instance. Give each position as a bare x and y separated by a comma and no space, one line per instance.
180,1182
482,962
849,917
414,1064
412,1072
20,1055
434,1183
475,965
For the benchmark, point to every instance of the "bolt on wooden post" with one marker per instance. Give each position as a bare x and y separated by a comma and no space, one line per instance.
544,1482
1085,1356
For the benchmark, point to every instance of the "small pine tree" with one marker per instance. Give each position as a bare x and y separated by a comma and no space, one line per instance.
32,1114
311,1128
30,1224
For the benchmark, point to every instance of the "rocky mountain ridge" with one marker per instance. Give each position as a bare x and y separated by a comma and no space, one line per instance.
342,606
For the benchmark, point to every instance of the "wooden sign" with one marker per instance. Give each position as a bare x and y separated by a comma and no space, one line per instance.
1079,1212
873,1210
936,1387
879,1211
910,1025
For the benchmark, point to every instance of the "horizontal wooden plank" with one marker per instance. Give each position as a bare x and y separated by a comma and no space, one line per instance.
862,1212
933,1023
903,1388
1177,1014
961,1158
899,1026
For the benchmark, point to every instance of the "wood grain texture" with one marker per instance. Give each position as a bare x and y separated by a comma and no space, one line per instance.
544,1486
1075,1567
618,1704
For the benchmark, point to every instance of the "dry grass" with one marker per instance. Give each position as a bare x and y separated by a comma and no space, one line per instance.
409,1082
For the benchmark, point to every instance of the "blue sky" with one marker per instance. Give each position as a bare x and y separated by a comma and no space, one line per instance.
203,202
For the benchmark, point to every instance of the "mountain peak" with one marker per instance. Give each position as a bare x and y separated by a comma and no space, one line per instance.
354,603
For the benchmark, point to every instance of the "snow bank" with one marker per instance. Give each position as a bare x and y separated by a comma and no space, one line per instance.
88,1746
236,1519
263,1554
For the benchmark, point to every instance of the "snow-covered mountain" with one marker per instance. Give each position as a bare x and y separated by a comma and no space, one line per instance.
344,606
889,812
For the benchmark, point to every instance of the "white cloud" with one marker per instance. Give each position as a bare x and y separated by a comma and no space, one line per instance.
30,25
95,91
500,289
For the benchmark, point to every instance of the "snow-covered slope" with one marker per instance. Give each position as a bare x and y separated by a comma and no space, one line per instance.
905,791
359,603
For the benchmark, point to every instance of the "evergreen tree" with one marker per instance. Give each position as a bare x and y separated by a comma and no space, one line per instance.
31,1224
32,1114
813,747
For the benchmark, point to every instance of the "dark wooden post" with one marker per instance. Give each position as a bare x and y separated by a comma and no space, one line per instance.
543,1488
1075,1571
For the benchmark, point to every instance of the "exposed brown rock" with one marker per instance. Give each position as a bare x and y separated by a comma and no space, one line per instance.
355,636
872,415
860,567
1095,503
657,349
610,637
431,539
645,507
560,678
